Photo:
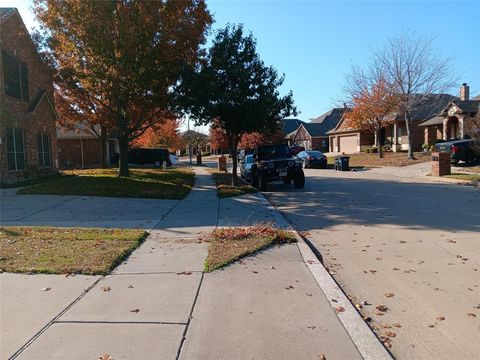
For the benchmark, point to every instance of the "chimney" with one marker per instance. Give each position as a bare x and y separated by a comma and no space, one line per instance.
465,92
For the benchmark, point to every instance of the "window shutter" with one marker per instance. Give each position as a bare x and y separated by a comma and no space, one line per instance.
11,75
24,78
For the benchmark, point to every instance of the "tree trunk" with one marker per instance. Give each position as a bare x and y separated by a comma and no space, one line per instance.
410,137
123,160
232,144
103,147
379,143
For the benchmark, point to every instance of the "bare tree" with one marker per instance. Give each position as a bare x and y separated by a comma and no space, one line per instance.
415,71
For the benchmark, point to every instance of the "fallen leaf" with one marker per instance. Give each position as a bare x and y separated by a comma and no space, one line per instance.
389,294
130,286
311,327
373,271
289,287
397,325
390,334
440,318
367,318
105,357
106,288
255,271
184,273
308,294
322,357
431,326
395,269
135,310
472,315
382,308
339,309
46,289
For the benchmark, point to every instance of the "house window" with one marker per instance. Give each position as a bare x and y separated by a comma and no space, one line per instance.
15,75
15,149
44,153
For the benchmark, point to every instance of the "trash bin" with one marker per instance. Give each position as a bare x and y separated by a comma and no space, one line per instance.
222,163
341,163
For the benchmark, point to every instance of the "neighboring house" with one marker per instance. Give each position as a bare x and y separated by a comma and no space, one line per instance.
350,140
455,119
27,113
314,135
198,142
289,128
80,148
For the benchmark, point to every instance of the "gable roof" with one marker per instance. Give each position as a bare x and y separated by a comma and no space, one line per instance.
5,13
326,122
42,94
290,125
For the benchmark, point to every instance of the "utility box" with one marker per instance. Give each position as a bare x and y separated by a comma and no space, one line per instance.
222,163
199,159
441,164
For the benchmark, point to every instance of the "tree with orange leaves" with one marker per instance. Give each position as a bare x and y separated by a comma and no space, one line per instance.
254,139
373,102
127,57
163,135
218,139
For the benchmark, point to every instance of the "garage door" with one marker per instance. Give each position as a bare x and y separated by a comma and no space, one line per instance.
348,144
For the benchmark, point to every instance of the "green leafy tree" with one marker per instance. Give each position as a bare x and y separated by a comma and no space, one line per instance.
234,87
123,57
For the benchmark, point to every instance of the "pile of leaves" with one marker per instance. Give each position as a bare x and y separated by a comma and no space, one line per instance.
225,187
227,245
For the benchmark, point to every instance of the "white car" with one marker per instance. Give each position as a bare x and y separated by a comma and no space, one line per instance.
173,159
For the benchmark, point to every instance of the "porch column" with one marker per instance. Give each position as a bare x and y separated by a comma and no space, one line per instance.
460,127
395,137
445,127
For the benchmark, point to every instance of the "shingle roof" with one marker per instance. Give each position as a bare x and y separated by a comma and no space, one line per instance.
317,130
469,106
6,12
332,116
290,125
428,106
437,120
476,97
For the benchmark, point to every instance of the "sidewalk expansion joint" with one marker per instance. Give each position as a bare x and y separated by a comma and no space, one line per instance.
164,216
47,208
189,318
42,330
119,322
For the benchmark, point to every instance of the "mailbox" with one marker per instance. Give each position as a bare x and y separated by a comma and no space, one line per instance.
441,164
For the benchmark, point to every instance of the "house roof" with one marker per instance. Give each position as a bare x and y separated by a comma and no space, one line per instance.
5,13
326,122
469,106
476,97
290,125
437,120
194,133
428,106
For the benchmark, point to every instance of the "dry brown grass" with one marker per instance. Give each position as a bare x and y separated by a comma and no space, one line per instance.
65,250
231,244
225,189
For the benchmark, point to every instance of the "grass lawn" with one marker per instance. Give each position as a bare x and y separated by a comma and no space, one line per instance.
225,189
142,183
231,244
460,176
389,159
65,250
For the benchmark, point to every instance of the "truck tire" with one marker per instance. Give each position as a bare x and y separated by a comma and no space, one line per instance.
299,180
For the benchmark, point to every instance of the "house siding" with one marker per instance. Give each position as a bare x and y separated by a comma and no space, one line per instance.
14,113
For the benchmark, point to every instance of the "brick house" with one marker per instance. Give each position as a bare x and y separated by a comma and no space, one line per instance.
81,148
314,135
27,112
455,121
346,139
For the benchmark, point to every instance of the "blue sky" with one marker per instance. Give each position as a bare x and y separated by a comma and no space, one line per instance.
315,42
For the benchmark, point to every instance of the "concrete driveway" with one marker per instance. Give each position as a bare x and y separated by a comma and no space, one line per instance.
84,211
401,242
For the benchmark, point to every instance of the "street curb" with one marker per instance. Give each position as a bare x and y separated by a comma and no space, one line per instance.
362,336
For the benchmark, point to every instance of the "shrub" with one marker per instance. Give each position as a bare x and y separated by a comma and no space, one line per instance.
425,146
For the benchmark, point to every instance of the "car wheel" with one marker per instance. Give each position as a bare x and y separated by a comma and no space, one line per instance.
157,164
287,180
299,180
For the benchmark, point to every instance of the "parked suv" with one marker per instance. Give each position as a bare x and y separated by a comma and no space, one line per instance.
274,163
467,150
154,157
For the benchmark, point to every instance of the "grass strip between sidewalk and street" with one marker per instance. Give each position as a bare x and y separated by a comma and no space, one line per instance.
462,176
142,183
223,180
228,245
397,159
56,250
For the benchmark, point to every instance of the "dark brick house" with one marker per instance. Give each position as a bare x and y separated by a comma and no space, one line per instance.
27,112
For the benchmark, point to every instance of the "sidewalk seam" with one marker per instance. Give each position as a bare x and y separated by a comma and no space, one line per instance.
47,208
362,336
51,322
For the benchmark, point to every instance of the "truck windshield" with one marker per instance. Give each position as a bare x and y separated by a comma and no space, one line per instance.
273,151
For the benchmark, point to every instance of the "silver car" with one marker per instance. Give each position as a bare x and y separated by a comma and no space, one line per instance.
246,168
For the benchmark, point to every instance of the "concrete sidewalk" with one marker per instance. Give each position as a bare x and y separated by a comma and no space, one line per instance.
160,305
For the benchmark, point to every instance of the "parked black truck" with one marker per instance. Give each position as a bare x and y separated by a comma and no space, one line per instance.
467,150
275,163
